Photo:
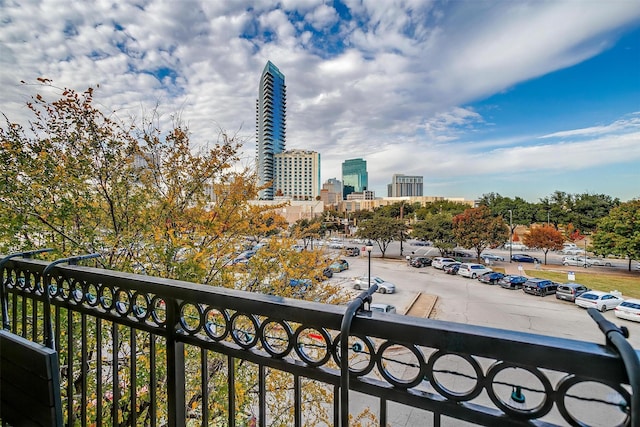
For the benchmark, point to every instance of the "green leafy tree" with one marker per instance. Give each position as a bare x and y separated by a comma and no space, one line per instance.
382,230
478,229
619,232
545,238
440,207
588,209
438,229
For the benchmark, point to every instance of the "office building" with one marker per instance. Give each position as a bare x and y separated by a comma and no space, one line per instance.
270,125
405,186
297,174
354,176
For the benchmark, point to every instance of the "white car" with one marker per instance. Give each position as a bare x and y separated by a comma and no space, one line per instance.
384,287
628,310
516,246
572,251
603,301
599,262
439,262
383,308
469,269
491,257
577,261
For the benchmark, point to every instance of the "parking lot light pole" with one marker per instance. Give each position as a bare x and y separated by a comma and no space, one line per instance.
369,248
510,233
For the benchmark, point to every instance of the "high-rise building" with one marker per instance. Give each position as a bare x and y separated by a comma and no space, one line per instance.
355,178
331,192
405,185
270,125
297,174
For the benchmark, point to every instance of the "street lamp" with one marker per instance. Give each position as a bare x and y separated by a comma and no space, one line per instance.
369,248
510,233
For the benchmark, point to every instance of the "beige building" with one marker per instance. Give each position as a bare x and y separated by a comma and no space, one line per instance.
297,174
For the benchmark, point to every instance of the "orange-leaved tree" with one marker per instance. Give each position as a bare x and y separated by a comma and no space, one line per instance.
545,238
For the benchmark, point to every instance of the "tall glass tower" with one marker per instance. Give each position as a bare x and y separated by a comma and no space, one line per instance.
355,178
270,125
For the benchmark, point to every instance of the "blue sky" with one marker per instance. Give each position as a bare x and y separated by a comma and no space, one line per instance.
518,98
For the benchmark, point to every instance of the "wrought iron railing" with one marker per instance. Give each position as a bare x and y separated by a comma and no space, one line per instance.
139,350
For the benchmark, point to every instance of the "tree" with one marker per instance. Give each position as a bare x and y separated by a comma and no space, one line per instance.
438,229
145,198
382,230
307,230
588,209
544,237
440,207
619,232
478,229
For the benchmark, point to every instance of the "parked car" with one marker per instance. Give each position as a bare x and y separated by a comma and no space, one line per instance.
576,261
328,273
420,261
628,310
459,254
489,257
384,287
524,258
491,277
339,266
439,262
383,308
572,251
512,282
469,269
420,243
335,244
452,267
517,246
539,287
569,291
599,262
352,250
603,301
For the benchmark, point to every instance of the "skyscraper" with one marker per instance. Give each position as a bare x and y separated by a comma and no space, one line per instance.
405,185
354,176
270,125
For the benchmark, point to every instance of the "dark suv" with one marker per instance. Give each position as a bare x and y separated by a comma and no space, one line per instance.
540,287
352,251
569,291
420,262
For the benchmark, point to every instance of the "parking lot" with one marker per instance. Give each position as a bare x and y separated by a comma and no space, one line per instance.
468,301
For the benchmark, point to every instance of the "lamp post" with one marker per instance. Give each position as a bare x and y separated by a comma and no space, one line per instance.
510,233
369,248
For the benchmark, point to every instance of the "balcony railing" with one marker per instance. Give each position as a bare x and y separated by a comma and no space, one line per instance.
140,350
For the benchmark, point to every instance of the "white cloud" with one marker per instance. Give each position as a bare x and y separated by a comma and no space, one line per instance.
392,84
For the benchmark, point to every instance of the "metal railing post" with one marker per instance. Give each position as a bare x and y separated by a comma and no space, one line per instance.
617,338
175,368
46,285
345,327
3,298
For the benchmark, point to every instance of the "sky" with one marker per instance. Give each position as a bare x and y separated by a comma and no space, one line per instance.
519,98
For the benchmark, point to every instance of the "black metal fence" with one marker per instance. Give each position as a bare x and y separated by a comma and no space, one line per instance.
138,350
